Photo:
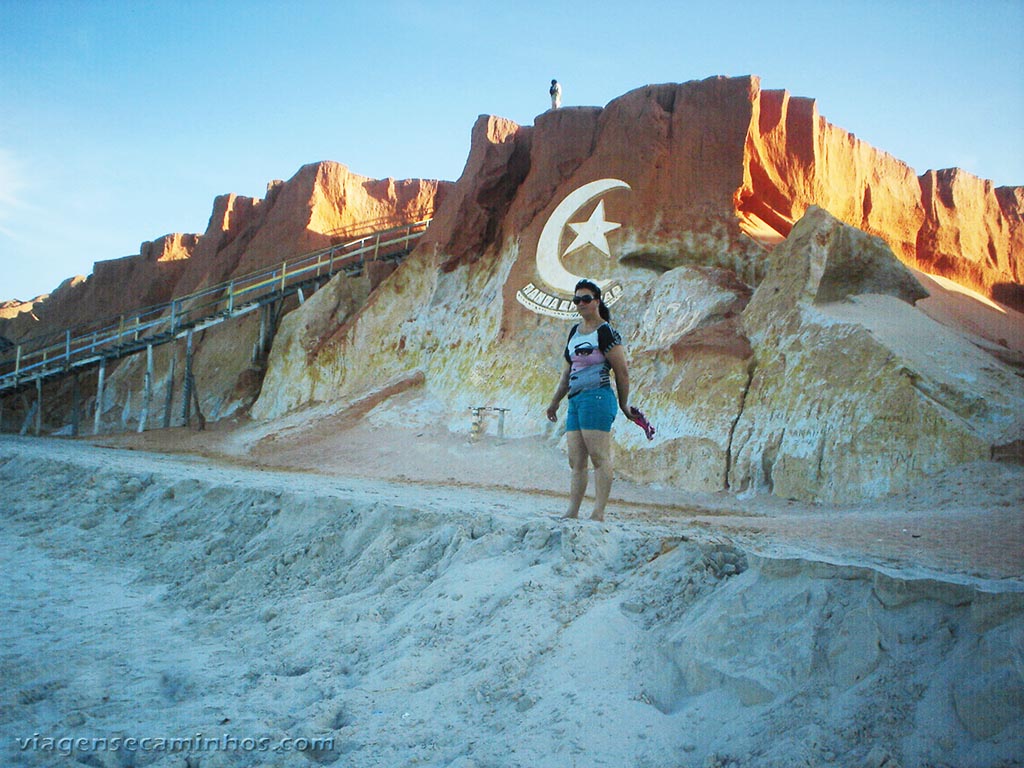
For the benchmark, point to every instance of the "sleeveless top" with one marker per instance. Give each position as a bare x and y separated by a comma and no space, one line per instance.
585,353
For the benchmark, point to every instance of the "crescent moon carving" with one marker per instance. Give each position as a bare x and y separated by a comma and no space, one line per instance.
549,261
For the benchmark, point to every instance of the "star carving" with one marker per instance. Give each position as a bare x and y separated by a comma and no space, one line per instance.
593,231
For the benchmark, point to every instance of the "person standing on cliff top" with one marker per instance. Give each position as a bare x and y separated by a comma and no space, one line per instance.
556,94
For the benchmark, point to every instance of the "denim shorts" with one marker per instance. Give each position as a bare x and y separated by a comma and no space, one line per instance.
592,409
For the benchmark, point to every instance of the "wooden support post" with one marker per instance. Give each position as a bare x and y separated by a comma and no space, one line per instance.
76,407
268,322
39,402
67,349
501,421
263,332
201,420
170,394
99,397
302,298
30,414
147,394
126,412
186,405
474,432
231,297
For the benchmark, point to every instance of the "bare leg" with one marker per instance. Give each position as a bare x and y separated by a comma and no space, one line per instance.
598,446
578,465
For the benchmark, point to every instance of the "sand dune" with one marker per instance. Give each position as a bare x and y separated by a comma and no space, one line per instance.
369,622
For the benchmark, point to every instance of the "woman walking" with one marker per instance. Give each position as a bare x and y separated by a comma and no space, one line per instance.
593,349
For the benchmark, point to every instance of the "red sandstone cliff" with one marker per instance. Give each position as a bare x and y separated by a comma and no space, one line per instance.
115,286
719,169
322,204
805,370
714,166
948,222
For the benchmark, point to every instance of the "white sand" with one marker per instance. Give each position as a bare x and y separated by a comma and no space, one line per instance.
444,621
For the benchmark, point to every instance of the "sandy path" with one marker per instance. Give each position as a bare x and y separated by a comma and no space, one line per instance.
969,521
456,624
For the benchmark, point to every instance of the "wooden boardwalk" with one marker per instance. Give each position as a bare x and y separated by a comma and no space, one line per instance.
56,355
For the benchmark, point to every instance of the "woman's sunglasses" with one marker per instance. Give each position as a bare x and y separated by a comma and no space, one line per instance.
577,300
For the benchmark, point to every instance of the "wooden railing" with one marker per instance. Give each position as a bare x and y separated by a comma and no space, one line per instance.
51,355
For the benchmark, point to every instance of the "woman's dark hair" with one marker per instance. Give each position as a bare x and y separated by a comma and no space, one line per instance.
601,308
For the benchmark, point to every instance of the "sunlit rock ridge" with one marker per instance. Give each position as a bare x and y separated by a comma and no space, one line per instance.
323,204
785,369
804,314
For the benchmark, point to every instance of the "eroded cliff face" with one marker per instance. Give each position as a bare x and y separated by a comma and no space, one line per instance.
114,287
852,387
321,205
676,196
973,234
947,222
755,258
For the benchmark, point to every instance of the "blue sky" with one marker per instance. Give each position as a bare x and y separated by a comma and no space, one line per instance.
121,121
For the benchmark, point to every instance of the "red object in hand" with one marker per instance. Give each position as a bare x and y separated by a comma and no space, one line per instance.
641,421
